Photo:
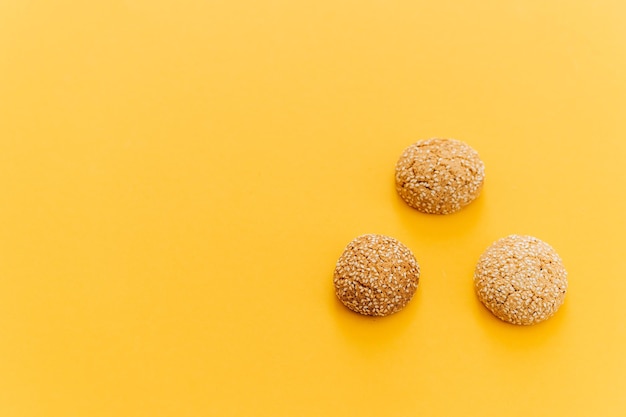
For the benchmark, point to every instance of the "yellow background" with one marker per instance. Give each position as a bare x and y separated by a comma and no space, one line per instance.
178,178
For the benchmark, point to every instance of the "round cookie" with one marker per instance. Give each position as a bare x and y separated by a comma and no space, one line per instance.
376,275
521,280
439,176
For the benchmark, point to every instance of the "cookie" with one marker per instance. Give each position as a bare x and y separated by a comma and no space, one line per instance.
439,176
521,280
376,275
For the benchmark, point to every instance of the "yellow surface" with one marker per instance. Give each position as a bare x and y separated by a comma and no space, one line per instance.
178,178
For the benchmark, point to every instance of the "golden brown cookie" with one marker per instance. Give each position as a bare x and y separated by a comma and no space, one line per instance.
376,275
439,176
521,280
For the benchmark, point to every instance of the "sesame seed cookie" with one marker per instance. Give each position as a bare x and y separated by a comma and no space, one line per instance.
439,176
376,275
521,280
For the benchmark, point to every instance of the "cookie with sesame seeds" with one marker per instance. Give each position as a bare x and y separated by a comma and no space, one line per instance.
439,176
376,275
521,280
